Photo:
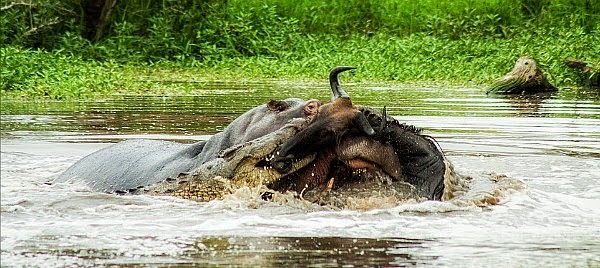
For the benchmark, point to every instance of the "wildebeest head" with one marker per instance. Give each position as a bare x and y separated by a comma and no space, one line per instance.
332,121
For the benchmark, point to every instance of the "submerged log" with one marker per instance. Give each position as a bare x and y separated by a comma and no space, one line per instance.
589,74
525,77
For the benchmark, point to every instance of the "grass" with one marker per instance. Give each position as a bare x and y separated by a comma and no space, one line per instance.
414,59
149,44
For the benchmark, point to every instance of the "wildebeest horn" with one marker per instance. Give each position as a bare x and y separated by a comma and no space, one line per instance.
361,122
383,119
337,91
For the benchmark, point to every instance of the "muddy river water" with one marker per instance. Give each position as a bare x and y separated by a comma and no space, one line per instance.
550,144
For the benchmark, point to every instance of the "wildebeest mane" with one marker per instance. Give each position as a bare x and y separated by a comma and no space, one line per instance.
374,116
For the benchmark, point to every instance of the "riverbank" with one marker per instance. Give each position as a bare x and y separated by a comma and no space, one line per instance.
59,50
415,59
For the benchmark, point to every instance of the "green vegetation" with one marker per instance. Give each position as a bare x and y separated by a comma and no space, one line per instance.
49,48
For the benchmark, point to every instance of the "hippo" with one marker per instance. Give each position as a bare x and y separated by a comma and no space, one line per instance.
133,163
356,166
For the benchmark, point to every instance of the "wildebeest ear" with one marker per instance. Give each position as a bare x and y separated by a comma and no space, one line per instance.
361,122
277,105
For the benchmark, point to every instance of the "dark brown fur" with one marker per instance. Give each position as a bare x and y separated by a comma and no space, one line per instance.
332,122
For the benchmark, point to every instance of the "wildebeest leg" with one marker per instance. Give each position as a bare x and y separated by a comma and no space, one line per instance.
308,177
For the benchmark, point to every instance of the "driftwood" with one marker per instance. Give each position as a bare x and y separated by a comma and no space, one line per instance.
589,74
525,77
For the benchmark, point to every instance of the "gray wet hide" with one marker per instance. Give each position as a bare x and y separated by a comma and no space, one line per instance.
135,163
255,123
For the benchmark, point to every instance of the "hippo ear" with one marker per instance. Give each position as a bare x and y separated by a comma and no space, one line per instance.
361,122
277,105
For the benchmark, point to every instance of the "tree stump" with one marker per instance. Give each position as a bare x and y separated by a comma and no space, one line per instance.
525,77
589,74
97,15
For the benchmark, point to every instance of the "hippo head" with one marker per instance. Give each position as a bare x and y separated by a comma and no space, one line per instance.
332,121
296,107
268,118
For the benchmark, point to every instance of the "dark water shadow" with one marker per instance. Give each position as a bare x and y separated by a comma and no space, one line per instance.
305,252
528,104
239,251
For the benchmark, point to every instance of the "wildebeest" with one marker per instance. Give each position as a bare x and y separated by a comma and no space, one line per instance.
340,129
333,120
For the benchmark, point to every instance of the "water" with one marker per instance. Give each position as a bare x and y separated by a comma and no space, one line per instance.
550,143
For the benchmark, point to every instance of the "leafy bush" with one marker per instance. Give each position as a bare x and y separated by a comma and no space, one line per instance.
54,75
151,31
46,52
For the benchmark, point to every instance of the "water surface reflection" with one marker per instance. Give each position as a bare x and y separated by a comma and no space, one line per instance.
310,251
549,142
218,104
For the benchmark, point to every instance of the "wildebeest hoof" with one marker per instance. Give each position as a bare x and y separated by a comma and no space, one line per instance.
267,196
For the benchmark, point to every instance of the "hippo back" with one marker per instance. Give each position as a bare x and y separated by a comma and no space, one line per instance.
133,163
